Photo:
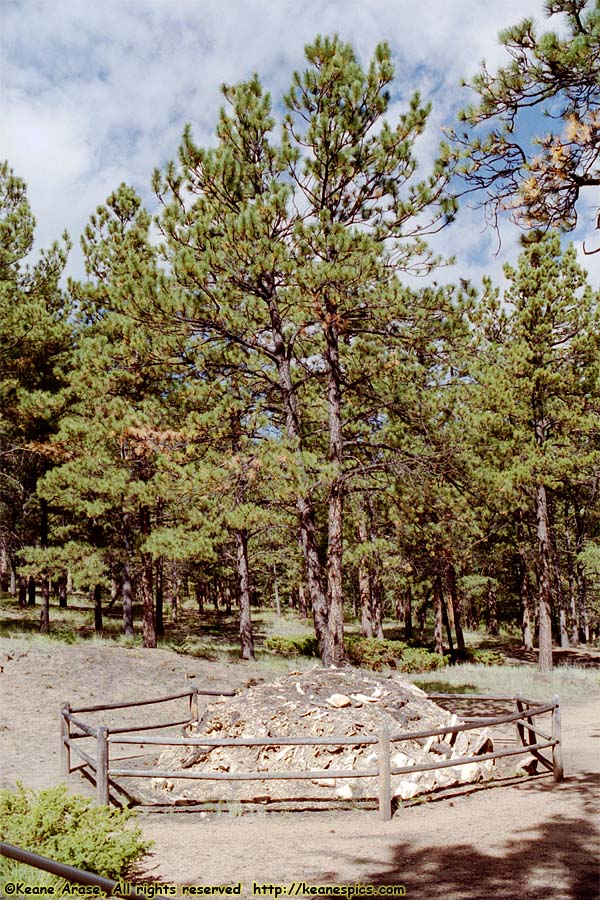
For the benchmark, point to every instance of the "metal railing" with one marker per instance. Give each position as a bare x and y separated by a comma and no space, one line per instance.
69,873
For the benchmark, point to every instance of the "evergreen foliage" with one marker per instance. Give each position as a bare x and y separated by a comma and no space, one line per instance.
69,829
556,74
258,406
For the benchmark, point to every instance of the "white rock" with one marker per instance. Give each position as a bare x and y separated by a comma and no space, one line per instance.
399,760
407,789
339,700
344,791
469,773
362,698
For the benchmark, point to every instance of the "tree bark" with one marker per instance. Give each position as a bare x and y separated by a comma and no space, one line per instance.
582,615
31,591
544,586
563,633
304,507
492,609
62,590
438,603
45,612
126,590
97,600
407,606
159,581
364,585
243,570
456,604
200,593
147,585
525,592
22,590
332,651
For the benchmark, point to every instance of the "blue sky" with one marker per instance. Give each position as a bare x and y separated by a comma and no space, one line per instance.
96,93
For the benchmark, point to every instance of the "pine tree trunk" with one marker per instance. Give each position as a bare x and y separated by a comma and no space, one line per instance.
364,586
446,621
582,615
173,593
302,602
31,591
492,610
563,633
147,586
456,605
376,586
22,590
364,593
571,579
243,570
332,651
200,592
407,603
62,590
304,507
159,575
544,588
127,600
438,603
97,600
525,591
45,612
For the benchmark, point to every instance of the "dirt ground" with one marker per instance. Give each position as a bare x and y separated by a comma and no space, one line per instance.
533,839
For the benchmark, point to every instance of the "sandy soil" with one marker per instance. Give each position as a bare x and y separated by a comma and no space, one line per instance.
529,840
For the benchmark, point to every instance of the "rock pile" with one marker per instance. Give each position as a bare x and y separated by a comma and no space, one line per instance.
320,703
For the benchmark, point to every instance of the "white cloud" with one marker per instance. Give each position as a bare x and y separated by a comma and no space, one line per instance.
98,93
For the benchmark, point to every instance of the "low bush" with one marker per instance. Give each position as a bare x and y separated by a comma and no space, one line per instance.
485,657
372,653
70,829
305,645
366,653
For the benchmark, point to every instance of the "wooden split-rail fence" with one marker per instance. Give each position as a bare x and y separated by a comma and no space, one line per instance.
529,740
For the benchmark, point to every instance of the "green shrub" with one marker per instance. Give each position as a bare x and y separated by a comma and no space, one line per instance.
305,645
366,653
485,657
71,830
372,653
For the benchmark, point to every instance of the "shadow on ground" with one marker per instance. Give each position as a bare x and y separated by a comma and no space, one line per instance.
556,860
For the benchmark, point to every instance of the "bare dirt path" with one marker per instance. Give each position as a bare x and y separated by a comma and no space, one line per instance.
532,840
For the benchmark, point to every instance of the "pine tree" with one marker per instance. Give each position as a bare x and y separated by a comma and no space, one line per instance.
535,381
291,252
35,336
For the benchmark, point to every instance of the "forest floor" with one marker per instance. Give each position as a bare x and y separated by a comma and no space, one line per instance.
527,839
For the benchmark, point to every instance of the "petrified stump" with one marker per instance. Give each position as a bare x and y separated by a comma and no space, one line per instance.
320,703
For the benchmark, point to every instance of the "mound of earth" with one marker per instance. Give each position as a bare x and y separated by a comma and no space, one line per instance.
321,703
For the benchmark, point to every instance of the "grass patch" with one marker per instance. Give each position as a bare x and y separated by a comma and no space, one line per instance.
566,681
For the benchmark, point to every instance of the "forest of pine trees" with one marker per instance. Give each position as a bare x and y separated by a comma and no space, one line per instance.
250,396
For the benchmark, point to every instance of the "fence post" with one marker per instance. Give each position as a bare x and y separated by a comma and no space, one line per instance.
384,766
520,726
102,766
65,735
557,758
194,705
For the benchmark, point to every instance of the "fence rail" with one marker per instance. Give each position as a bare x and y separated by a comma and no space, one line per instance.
69,873
527,734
